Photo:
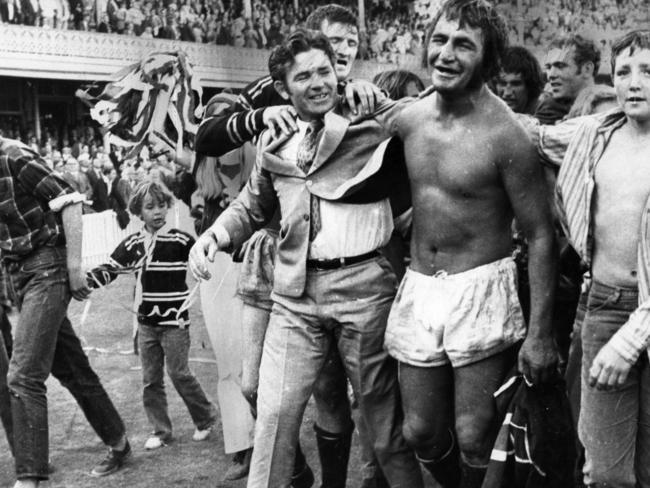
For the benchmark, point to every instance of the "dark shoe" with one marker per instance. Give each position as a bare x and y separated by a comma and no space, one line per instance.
239,466
303,476
303,479
334,453
113,461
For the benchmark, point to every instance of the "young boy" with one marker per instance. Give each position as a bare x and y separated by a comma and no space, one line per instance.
158,255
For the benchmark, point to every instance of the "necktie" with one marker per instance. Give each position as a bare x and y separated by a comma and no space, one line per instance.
304,159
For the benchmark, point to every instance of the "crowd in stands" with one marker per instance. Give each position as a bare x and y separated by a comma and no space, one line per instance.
393,29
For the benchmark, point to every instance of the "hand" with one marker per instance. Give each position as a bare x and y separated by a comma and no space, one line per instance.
78,284
281,119
205,247
367,93
538,359
609,369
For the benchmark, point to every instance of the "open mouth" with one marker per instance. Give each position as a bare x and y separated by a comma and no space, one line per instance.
446,71
320,97
635,99
342,62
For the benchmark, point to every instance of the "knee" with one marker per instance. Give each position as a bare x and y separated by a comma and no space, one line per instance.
423,436
331,395
20,384
473,434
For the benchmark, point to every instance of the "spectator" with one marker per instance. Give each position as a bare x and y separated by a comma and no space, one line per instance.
520,81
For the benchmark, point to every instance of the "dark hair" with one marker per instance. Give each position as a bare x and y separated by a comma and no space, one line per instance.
519,60
158,192
302,40
585,50
636,39
396,81
477,14
332,13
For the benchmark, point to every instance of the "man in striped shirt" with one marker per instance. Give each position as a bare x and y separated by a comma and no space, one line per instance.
603,188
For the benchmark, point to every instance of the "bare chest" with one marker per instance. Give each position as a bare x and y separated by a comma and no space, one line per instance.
459,161
623,180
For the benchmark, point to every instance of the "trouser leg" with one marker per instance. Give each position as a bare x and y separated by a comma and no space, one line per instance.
5,399
608,419
153,392
294,352
72,368
176,347
43,296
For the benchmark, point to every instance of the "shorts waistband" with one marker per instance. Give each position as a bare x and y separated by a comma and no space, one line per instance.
484,270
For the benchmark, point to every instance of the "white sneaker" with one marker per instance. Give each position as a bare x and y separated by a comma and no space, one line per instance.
201,435
154,442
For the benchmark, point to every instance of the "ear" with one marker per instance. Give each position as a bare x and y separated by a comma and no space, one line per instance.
281,89
587,69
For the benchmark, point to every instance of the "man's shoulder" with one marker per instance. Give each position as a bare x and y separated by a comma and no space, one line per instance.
260,93
16,150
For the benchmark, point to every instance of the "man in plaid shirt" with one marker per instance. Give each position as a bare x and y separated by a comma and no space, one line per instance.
40,241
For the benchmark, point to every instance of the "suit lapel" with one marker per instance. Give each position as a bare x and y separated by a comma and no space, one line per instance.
333,133
274,163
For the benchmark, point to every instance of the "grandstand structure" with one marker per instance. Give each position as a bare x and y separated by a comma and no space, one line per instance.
41,68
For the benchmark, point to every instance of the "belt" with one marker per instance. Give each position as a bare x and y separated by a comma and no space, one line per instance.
337,263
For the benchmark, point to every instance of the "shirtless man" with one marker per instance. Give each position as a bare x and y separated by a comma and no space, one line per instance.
457,316
604,181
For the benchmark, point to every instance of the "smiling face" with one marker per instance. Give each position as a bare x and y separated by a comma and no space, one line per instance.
511,88
565,78
455,56
310,84
632,83
344,39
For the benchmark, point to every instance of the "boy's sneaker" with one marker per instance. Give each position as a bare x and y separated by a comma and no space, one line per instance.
201,435
112,462
154,442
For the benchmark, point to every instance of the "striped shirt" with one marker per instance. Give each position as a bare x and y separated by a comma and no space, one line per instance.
576,146
160,263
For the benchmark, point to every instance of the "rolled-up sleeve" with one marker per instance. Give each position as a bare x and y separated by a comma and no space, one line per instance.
40,181
553,141
633,338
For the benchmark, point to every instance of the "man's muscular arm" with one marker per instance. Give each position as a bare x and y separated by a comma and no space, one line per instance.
525,186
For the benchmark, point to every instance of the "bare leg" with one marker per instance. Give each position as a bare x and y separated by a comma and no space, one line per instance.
475,413
428,403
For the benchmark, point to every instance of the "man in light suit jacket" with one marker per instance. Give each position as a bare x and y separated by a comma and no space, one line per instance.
331,286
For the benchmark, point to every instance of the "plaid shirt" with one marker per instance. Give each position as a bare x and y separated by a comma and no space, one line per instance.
31,196
576,146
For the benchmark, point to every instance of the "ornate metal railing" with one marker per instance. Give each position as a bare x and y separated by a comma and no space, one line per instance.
36,52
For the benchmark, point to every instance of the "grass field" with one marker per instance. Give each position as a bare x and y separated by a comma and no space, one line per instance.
75,448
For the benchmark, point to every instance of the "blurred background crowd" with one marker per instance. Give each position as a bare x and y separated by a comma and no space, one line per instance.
392,28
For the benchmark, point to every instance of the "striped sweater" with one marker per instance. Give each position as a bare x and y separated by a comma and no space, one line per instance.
160,263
